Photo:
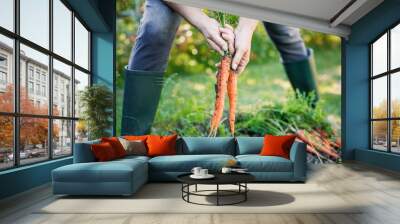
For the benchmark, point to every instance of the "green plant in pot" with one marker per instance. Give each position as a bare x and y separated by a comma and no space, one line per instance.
96,103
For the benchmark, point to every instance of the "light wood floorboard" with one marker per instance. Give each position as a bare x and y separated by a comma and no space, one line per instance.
379,189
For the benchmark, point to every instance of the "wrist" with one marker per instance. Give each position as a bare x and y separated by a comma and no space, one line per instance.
247,25
201,22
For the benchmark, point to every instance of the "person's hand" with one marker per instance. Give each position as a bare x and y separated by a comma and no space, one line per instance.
210,29
241,42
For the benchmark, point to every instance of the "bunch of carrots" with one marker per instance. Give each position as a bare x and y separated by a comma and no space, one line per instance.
226,83
319,144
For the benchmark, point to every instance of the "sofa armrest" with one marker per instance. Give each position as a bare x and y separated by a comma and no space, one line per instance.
83,152
298,156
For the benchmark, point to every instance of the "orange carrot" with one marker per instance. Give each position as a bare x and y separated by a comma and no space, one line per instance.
222,80
232,94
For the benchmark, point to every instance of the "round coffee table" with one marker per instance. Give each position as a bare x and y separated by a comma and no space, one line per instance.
238,179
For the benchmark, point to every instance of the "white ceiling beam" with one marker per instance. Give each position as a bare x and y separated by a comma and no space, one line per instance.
347,12
270,15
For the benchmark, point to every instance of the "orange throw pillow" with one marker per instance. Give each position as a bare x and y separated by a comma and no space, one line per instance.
161,145
116,145
135,137
277,145
103,152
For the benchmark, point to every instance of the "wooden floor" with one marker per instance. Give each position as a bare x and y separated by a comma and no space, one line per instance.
377,188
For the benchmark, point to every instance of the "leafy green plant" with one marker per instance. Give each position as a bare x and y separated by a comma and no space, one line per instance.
96,102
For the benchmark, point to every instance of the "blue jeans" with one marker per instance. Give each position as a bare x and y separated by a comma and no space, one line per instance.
157,31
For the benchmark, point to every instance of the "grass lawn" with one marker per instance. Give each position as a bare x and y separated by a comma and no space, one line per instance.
188,99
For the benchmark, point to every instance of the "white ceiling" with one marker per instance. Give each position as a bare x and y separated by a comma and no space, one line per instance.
327,16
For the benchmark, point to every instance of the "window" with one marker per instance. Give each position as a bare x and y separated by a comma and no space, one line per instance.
81,45
35,21
48,78
30,88
385,94
7,14
6,73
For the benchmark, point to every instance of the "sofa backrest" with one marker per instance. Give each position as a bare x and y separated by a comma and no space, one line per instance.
206,145
83,152
249,145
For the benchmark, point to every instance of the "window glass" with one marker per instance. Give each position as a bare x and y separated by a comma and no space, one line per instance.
379,97
379,56
34,21
395,136
33,140
30,58
62,29
395,94
379,135
395,47
81,131
62,89
62,137
81,82
7,14
6,74
81,45
6,142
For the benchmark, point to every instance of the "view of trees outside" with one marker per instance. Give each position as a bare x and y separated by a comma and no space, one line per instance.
33,131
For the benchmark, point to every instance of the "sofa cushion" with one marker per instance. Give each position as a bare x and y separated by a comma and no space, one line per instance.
103,152
249,145
206,145
185,163
112,171
257,163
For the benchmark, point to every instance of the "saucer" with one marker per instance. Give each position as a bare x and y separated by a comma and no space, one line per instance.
208,176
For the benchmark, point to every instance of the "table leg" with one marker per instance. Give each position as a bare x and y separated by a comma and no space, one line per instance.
195,188
217,194
245,193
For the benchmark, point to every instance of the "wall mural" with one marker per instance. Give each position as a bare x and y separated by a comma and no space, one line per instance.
197,72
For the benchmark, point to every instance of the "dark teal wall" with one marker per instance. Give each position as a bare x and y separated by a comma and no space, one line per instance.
99,15
355,95
24,178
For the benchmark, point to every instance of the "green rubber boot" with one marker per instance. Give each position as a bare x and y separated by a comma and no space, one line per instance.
301,75
141,95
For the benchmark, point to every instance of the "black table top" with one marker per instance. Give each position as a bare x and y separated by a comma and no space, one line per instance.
220,178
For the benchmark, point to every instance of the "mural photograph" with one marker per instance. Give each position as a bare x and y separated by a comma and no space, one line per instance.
198,72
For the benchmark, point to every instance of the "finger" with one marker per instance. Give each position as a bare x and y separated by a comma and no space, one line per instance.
231,41
229,26
217,39
237,58
215,46
243,63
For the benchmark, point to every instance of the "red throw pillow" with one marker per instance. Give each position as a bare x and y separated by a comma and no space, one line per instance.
277,145
116,145
103,152
161,145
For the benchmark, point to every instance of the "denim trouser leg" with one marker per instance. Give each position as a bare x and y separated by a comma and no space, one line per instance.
144,73
154,39
288,42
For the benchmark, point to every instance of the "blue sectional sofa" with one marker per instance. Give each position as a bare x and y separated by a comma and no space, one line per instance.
125,176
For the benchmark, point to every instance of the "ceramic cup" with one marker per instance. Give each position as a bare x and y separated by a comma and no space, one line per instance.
196,171
226,170
203,172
